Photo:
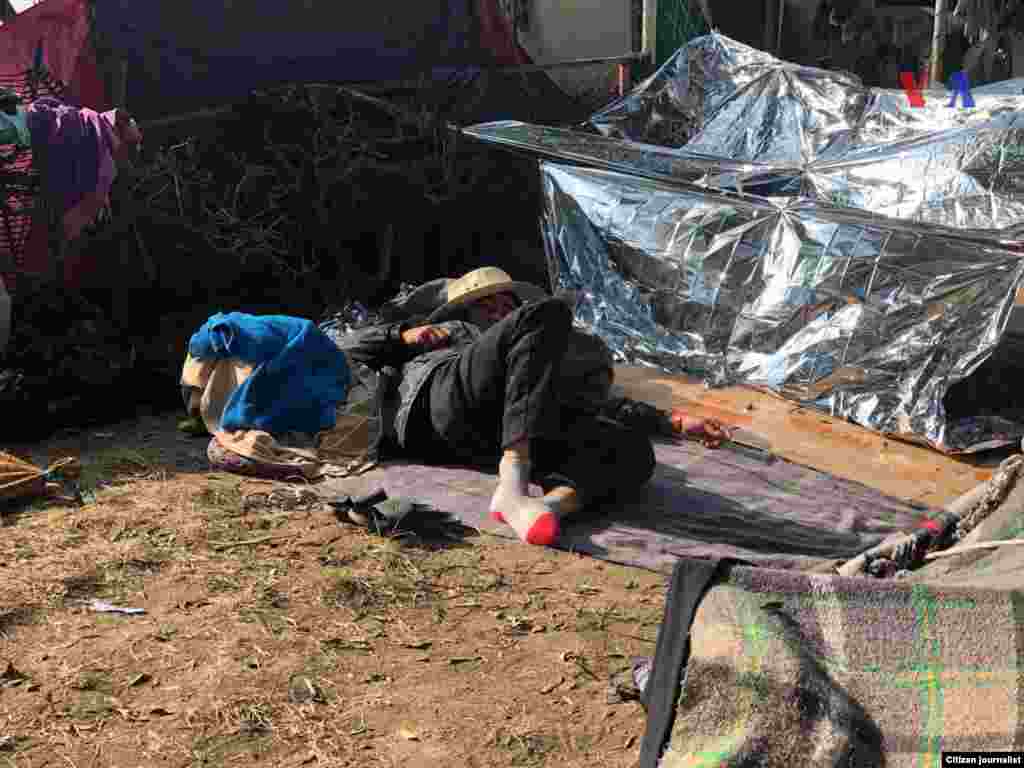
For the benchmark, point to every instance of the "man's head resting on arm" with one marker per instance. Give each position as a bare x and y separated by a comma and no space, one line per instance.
487,295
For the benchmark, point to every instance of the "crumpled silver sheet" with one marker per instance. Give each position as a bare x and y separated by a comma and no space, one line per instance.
723,98
567,145
869,319
967,178
837,140
880,272
960,168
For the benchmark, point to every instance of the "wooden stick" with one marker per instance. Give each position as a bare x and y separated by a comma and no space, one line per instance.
958,506
650,31
172,121
769,39
705,10
938,44
973,547
778,33
361,88
120,88
625,58
247,542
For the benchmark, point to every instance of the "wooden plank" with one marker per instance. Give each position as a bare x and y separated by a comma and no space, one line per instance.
649,30
414,84
814,439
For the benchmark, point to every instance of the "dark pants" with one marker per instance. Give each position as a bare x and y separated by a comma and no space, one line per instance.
501,389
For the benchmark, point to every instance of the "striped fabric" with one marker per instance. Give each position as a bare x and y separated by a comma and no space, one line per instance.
19,178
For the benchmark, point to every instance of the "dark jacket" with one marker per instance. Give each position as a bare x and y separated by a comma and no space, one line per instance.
396,373
401,370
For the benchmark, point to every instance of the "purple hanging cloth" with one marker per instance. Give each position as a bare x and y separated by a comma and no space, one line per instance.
76,149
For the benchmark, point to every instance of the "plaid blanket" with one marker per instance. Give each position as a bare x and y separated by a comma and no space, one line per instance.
787,668
762,666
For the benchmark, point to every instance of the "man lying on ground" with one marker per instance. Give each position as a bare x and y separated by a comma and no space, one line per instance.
477,382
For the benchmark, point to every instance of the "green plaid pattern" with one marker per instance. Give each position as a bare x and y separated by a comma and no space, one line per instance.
796,669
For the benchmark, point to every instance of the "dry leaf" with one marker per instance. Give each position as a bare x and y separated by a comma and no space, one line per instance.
463,659
12,677
549,688
302,690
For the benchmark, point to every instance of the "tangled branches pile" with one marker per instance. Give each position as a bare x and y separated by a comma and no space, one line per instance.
290,175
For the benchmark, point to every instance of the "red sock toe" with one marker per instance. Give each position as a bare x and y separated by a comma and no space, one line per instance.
544,531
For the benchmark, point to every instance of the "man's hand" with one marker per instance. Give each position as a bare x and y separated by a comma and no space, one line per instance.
426,337
711,432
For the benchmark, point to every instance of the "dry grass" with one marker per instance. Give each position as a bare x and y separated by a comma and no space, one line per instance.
263,645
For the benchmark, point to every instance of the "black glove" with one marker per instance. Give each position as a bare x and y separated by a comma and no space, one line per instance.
397,517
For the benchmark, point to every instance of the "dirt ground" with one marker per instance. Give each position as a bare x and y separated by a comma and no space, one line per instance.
275,635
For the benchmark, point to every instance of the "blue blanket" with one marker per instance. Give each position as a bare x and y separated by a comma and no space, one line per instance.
300,376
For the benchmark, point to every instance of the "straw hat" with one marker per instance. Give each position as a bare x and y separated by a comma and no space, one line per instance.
485,281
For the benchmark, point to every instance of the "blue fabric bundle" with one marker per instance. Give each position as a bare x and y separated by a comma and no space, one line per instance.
300,376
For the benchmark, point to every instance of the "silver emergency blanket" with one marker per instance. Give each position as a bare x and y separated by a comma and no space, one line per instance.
755,221
969,177
648,160
868,319
836,140
961,168
567,145
724,98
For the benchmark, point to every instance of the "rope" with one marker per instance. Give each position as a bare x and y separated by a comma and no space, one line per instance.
57,466
26,473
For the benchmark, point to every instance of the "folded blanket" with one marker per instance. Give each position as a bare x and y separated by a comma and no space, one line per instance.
299,376
210,385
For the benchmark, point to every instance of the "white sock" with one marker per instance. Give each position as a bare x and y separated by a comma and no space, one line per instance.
535,520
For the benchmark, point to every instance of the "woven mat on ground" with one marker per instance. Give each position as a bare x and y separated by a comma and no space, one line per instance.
700,503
